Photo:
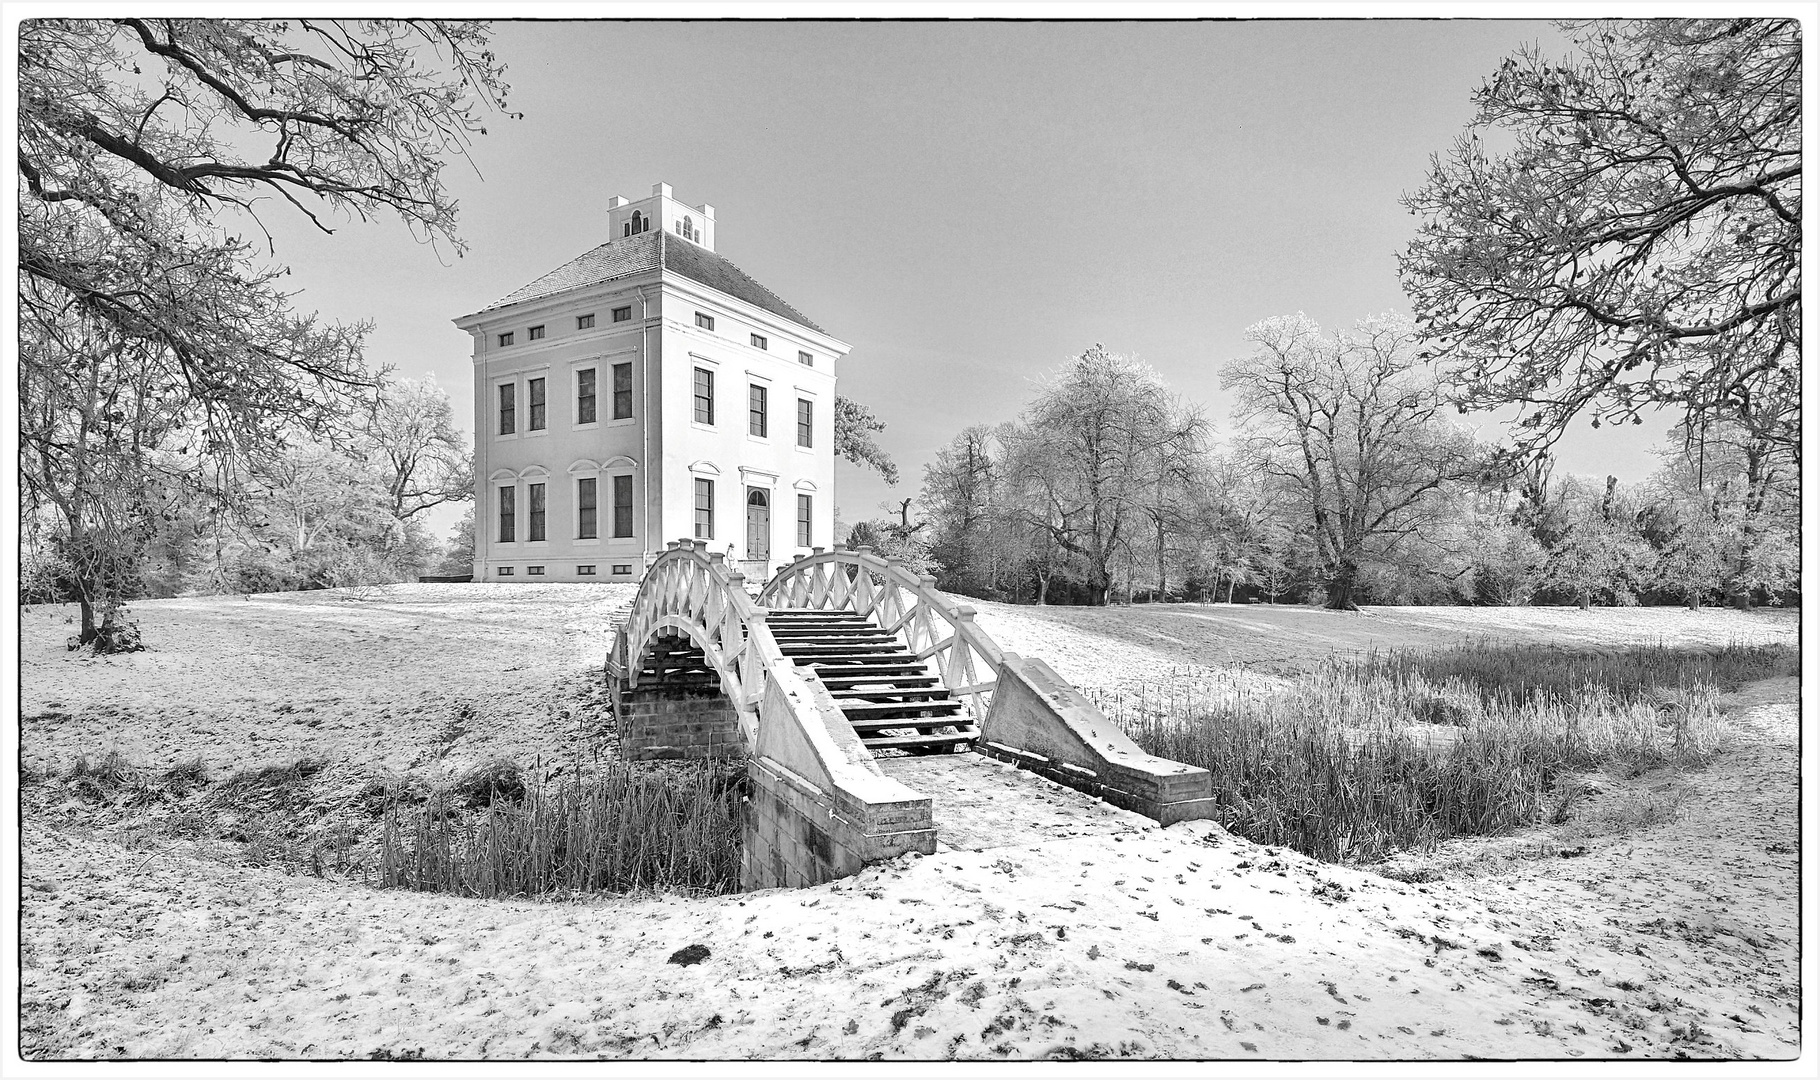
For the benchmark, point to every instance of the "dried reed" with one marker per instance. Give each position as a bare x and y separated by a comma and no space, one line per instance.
624,830
1369,755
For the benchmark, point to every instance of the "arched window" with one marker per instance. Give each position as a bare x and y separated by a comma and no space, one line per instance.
688,229
757,497
637,218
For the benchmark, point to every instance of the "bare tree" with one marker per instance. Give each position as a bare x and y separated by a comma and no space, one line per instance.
143,146
1091,452
1727,486
411,435
1352,428
1600,553
1636,241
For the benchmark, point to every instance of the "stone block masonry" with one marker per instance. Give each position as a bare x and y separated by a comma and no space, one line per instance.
820,808
798,834
665,722
1040,722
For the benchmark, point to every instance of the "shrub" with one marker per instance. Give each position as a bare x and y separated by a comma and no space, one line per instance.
494,781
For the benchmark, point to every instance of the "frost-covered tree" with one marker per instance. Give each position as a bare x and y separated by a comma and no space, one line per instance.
1352,429
146,149
1090,453
1620,229
1599,555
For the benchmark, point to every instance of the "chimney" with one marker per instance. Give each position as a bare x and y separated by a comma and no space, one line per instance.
661,189
616,202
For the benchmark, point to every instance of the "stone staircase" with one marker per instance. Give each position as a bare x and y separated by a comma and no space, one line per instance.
891,698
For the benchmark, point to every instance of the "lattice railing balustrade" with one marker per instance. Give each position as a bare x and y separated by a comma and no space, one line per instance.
899,600
693,591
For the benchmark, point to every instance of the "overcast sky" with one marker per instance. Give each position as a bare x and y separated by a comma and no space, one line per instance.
966,204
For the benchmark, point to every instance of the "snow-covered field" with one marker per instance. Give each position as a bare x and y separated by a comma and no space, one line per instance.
1083,931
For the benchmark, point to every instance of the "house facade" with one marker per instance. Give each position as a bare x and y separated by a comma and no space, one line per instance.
644,392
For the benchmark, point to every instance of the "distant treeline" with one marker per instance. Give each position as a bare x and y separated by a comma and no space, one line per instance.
1343,483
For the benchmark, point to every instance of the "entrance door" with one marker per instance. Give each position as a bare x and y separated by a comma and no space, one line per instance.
758,525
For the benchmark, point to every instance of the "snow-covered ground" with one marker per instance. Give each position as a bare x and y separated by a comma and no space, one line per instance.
1068,929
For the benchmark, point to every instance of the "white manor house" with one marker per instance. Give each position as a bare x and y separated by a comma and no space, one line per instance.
647,391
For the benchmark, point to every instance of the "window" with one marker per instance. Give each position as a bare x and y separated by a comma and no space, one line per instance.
704,396
622,506
805,359
535,334
704,509
804,515
508,408
805,422
584,322
638,224
535,571
537,514
587,499
622,568
759,342
504,571
537,404
506,338
584,396
622,314
508,513
688,227
622,391
585,570
758,421
705,321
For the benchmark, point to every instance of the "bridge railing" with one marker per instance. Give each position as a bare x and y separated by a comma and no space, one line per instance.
935,628
692,590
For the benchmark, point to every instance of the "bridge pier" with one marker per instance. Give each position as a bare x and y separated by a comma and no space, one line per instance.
678,709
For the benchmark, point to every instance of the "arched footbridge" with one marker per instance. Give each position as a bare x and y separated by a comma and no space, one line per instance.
847,659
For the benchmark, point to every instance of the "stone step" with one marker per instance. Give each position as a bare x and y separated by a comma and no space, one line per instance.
858,660
871,728
832,633
885,683
798,629
908,693
837,648
962,737
878,709
874,667
815,613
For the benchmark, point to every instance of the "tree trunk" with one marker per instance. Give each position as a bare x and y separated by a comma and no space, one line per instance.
88,631
1162,566
1340,586
1230,587
1042,589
